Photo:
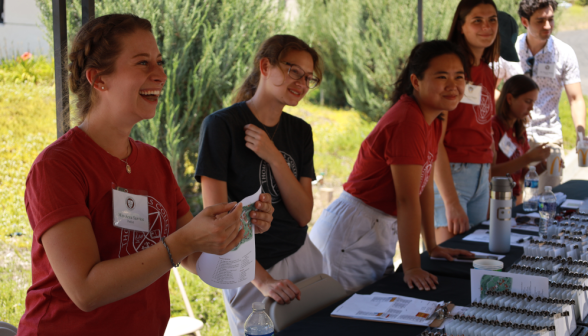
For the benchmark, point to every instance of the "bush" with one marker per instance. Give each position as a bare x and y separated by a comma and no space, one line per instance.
26,68
208,47
365,43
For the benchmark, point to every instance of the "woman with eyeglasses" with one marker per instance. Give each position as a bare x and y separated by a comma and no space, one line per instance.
465,150
254,143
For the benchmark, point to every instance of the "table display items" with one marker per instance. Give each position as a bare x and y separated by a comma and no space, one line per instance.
500,213
531,190
392,308
547,206
259,323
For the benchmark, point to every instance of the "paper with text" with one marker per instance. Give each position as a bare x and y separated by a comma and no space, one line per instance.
235,268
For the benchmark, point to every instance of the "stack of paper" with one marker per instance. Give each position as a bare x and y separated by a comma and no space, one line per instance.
390,308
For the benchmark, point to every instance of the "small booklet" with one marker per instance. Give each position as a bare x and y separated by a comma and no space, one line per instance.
235,268
390,308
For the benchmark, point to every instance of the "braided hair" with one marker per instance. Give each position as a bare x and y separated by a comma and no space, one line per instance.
97,46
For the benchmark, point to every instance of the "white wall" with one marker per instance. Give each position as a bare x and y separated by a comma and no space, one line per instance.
22,30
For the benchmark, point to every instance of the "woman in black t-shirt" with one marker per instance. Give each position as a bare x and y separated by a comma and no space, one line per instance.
254,143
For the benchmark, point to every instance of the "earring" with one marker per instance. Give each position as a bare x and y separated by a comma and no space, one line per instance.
103,88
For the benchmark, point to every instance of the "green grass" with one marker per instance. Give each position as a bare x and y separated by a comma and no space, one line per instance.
573,18
565,116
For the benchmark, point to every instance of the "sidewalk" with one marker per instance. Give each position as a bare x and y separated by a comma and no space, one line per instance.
572,171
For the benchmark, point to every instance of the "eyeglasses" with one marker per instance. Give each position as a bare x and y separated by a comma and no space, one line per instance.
296,72
530,62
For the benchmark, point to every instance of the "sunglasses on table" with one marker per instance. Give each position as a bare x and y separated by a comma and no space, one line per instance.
296,72
530,62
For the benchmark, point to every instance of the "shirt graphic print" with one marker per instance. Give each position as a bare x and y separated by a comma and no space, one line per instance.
484,112
136,241
267,180
426,172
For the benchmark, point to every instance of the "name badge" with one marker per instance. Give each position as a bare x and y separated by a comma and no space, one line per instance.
472,94
130,211
507,146
546,70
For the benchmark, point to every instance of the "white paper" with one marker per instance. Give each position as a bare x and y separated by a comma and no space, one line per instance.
480,255
235,268
546,70
472,94
518,283
483,236
130,211
388,308
507,146
572,204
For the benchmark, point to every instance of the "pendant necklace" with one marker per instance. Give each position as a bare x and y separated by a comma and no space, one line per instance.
125,161
275,131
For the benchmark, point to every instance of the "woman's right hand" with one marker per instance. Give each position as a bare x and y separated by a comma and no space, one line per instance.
281,291
214,230
539,153
421,279
457,219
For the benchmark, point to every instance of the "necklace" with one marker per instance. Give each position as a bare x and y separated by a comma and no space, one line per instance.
275,131
125,161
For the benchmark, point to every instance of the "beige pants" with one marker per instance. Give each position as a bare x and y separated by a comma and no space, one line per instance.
305,263
545,179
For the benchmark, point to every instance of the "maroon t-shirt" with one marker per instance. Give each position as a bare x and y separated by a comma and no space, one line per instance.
522,146
401,137
468,136
73,177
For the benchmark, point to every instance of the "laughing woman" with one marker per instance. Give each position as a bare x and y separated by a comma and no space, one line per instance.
94,272
388,197
254,143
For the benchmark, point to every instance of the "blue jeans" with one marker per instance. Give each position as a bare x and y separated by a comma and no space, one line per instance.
473,190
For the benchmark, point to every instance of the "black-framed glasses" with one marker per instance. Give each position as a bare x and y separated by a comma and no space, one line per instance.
296,72
530,62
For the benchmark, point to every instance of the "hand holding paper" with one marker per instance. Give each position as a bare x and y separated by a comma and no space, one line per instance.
212,232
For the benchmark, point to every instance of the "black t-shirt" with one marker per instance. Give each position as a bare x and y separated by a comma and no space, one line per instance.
223,156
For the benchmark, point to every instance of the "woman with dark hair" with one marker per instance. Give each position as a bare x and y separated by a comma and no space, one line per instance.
95,269
519,93
388,197
465,150
253,143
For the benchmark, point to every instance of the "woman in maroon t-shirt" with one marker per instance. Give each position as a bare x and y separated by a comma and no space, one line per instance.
92,274
388,197
519,93
465,151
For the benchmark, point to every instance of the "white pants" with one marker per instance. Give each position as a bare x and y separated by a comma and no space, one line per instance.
358,242
305,263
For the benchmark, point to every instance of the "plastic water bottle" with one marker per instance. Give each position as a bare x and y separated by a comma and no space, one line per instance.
547,205
531,190
259,323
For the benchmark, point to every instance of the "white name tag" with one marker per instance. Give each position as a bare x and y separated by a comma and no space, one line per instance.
546,70
130,211
507,146
472,94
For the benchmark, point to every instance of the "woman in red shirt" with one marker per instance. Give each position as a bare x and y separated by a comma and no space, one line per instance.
465,150
519,93
388,197
94,271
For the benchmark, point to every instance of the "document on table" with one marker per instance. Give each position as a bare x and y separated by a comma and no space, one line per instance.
483,281
524,227
483,236
479,255
381,307
572,204
235,268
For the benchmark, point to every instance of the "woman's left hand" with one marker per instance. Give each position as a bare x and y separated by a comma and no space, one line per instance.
448,253
262,218
259,142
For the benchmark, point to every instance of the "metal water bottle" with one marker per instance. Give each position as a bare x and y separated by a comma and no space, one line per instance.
500,213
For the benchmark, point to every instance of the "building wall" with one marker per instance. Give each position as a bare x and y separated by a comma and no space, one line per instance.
22,30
